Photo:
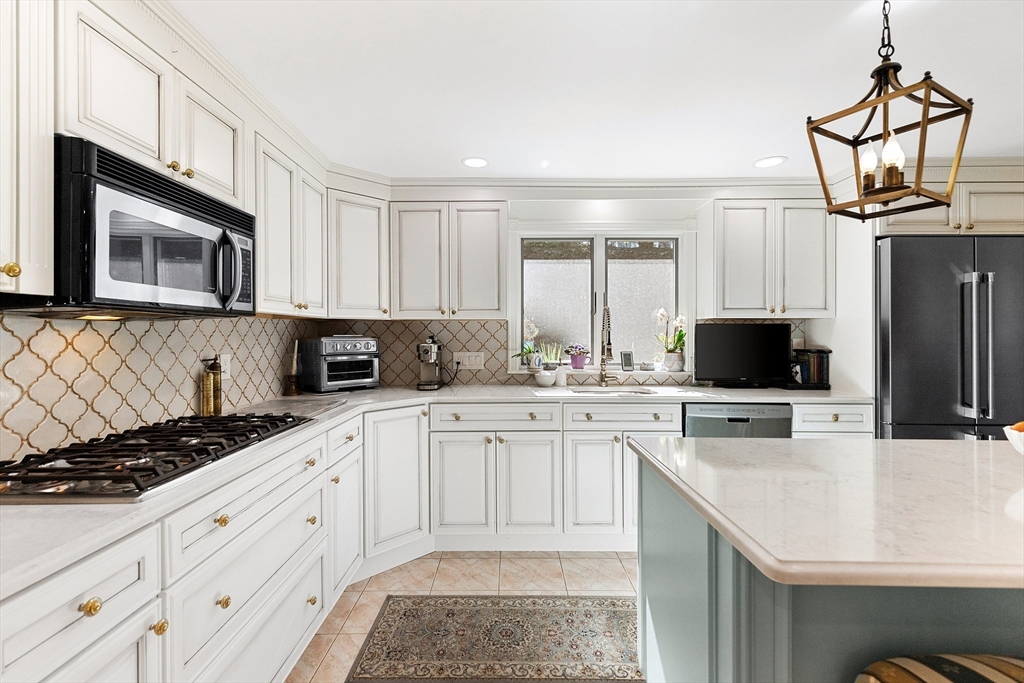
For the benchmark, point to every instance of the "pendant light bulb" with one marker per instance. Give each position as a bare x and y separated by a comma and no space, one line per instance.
901,160
869,160
891,151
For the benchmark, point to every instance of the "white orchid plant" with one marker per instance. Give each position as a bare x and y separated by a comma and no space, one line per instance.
674,339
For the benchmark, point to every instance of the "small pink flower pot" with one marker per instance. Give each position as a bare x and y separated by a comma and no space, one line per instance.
578,362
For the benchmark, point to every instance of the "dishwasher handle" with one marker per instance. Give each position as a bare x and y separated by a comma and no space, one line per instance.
744,420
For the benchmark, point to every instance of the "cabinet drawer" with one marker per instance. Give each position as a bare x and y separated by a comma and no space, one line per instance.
658,417
200,529
212,603
344,439
46,625
463,417
833,418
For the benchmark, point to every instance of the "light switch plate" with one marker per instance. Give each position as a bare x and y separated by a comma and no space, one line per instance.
225,367
469,360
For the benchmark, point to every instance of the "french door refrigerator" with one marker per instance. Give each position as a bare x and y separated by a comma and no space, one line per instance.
950,336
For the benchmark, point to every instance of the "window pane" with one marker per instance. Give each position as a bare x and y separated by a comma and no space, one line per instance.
641,279
556,291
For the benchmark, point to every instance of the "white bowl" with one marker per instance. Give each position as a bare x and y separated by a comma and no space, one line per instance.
545,378
1016,438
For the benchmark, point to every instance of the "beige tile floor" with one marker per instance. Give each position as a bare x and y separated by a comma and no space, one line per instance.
330,655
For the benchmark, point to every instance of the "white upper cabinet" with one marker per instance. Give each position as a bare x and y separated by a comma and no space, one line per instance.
976,207
26,147
276,186
210,145
358,257
774,259
311,267
448,260
419,260
476,240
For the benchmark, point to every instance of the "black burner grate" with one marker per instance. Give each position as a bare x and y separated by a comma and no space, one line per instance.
127,464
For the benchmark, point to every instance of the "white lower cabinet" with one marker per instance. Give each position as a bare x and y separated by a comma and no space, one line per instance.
462,482
529,479
345,502
395,447
131,653
593,482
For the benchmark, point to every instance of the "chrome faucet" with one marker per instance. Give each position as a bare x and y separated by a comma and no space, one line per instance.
606,349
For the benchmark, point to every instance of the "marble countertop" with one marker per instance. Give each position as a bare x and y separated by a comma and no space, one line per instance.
857,512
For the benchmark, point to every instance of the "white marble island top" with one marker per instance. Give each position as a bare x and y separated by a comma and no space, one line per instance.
857,512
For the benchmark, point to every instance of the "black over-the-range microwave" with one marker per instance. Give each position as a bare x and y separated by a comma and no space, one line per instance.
129,241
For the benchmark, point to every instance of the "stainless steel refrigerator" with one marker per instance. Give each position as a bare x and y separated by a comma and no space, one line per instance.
950,336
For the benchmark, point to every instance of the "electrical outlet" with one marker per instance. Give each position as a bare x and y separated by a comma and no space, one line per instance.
469,360
225,367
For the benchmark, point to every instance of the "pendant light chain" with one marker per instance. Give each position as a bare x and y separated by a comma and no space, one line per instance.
886,50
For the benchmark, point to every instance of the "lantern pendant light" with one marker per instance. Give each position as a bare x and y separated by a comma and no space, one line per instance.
886,193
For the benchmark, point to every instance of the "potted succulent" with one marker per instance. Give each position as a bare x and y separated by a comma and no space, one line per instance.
578,356
551,352
673,341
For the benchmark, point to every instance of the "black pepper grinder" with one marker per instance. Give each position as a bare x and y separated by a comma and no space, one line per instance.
211,402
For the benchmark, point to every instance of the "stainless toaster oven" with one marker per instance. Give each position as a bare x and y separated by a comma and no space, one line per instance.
339,362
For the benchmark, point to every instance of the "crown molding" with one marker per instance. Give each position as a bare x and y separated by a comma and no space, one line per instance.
601,183
359,174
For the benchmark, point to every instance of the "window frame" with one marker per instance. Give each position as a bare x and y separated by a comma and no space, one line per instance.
684,234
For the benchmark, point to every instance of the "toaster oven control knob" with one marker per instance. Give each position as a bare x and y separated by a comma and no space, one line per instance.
359,345
336,346
348,346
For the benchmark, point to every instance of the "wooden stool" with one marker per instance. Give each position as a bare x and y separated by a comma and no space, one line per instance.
945,669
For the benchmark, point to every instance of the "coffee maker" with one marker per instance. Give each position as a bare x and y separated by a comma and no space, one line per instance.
430,364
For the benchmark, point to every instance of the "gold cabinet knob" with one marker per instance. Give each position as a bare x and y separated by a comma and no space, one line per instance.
174,166
501,439
489,440
443,311
957,226
657,417
224,602
589,417
336,480
189,173
618,439
457,417
384,311
160,627
298,306
423,413
970,226
311,462
312,600
771,310
533,416
305,307
312,519
222,520
350,437
835,418
782,310
11,269
454,311
91,607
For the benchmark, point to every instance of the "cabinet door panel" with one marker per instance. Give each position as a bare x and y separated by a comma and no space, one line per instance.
593,482
806,260
939,219
116,89
395,448
346,539
993,207
210,143
275,216
744,259
419,261
462,482
358,263
477,244
312,267
131,653
529,482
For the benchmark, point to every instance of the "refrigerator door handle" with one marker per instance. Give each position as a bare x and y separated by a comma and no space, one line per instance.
991,350
974,279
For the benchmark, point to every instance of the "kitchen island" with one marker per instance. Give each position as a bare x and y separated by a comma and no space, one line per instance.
806,560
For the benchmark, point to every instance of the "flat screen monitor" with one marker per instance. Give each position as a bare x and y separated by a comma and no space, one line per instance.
742,353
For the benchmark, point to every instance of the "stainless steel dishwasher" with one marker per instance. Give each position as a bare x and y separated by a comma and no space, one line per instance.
739,420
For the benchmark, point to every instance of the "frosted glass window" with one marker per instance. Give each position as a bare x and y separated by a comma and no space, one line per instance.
641,278
557,291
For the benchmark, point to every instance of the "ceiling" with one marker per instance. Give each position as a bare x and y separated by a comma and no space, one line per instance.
622,89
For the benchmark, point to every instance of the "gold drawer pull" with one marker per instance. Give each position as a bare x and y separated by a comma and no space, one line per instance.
501,439
189,173
423,413
533,416
312,600
222,520
224,602
160,627
457,417
835,418
311,462
91,607
489,440
350,437
657,417
618,439
336,480
312,520
11,269
589,417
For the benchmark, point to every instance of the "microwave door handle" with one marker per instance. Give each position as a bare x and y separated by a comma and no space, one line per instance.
990,405
236,291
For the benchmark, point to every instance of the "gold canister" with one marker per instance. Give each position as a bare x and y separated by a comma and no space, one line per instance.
211,394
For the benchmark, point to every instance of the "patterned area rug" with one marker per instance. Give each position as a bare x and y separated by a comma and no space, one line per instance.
485,638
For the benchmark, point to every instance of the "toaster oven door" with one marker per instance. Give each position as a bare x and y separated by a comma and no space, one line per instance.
349,371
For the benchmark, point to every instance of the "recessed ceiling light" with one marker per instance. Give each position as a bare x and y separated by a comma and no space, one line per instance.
545,163
475,162
768,162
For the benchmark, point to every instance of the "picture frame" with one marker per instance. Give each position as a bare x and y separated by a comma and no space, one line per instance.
627,361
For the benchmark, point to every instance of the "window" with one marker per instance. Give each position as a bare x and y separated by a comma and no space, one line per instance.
566,280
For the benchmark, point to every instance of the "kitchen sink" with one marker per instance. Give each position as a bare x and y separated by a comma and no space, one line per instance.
610,390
